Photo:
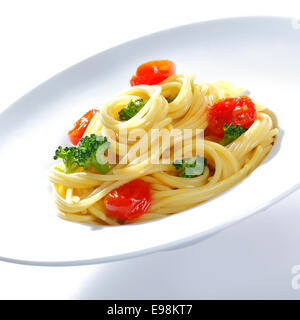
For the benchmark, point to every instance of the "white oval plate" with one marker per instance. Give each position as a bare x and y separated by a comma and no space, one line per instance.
260,54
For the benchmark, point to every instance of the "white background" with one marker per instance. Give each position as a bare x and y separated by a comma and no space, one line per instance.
252,259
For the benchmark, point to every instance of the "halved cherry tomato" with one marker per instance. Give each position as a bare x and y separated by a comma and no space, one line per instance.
239,110
129,201
153,72
80,126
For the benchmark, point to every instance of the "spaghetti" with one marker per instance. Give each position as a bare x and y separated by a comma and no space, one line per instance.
79,196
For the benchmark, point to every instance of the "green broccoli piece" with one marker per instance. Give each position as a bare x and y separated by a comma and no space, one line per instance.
189,167
171,98
68,155
131,109
89,152
231,133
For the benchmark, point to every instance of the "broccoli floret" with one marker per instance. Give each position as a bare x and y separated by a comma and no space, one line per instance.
189,167
171,98
131,109
68,155
231,133
89,152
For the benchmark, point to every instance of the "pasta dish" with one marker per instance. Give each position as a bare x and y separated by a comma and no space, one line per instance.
166,144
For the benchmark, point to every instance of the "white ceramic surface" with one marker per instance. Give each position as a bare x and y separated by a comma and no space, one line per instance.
260,54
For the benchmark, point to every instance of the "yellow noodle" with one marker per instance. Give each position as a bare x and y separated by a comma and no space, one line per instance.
79,196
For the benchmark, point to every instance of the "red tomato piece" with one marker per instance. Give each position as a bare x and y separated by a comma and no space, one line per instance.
239,110
153,72
129,201
80,126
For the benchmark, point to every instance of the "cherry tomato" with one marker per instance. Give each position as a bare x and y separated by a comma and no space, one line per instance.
239,110
153,72
129,201
80,126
